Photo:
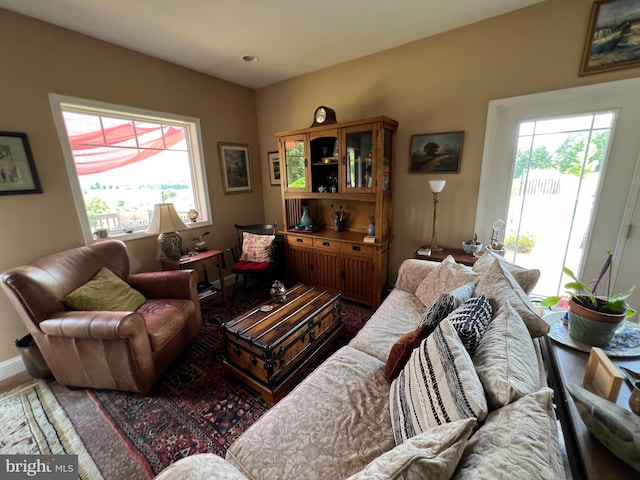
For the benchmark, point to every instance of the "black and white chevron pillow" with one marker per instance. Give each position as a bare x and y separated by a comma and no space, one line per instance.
470,320
447,303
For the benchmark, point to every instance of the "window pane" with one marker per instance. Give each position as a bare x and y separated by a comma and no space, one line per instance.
557,169
125,165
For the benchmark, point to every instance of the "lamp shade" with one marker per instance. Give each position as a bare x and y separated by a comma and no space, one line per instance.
437,185
165,219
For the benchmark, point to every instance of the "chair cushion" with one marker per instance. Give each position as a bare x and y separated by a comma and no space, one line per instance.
243,266
164,319
105,292
256,248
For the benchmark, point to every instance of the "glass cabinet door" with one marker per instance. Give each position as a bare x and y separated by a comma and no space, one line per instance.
296,163
359,145
386,160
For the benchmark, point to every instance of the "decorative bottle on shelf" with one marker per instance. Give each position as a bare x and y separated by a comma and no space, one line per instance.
371,230
306,220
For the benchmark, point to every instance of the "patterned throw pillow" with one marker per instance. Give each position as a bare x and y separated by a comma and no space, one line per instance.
519,440
500,287
527,278
504,359
432,454
470,321
256,248
438,385
447,303
444,278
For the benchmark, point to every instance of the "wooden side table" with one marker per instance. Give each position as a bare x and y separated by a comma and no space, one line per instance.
588,458
200,262
458,255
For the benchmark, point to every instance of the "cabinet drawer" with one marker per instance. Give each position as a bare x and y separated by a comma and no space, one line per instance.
299,240
326,244
357,248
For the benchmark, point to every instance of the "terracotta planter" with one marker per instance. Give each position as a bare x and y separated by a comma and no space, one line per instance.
591,327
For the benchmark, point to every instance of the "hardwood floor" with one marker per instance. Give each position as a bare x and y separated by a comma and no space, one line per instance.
12,382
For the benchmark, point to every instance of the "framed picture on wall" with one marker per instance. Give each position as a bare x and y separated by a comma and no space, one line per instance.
613,39
436,152
273,159
18,173
235,166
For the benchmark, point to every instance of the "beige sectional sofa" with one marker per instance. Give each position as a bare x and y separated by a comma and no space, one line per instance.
338,424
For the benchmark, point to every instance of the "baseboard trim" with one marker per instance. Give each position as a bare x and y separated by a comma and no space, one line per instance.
12,367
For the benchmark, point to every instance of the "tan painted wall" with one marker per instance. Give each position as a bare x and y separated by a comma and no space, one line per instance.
39,59
439,84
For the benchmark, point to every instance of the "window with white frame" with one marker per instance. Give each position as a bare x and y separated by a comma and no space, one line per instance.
122,161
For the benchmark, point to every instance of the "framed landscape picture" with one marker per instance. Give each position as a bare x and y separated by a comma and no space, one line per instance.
273,159
436,152
613,39
235,166
18,173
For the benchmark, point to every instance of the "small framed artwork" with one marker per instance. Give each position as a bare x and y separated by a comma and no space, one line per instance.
273,158
436,152
18,173
602,377
235,166
613,38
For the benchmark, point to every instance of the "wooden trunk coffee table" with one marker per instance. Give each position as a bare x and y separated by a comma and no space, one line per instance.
269,346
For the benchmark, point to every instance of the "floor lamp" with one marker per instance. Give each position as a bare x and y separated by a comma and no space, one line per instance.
436,187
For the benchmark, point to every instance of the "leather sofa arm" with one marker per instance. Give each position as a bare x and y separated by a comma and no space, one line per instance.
95,325
180,284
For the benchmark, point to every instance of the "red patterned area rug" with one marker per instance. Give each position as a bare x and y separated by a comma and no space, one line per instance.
194,407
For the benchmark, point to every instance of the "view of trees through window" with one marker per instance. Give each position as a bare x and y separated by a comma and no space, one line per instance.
126,164
555,183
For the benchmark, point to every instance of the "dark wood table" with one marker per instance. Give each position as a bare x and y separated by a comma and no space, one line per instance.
458,255
588,458
200,262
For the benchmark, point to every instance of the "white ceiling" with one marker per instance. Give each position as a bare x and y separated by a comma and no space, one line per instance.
289,37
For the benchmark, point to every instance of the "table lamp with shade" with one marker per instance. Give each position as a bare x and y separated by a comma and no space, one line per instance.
167,222
436,187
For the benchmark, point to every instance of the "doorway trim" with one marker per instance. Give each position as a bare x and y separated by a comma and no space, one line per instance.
492,201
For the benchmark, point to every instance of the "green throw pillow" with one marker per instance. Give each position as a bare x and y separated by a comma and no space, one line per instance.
105,292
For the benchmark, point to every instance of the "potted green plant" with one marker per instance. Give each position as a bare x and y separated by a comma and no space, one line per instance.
593,319
200,244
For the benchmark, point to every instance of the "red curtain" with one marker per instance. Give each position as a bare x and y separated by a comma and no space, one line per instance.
92,154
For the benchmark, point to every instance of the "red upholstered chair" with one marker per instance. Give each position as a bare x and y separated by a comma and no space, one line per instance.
253,256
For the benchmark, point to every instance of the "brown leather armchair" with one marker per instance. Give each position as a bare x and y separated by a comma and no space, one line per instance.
103,349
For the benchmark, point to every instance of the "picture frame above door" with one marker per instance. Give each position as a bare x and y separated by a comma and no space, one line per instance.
613,38
18,174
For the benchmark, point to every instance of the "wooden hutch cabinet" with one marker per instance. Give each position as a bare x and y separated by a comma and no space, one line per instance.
343,167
